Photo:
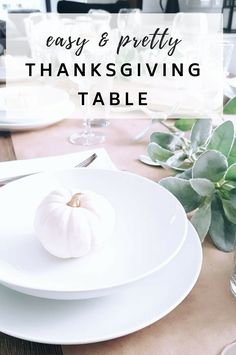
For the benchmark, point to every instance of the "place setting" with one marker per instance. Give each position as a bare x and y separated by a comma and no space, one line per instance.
117,177
141,260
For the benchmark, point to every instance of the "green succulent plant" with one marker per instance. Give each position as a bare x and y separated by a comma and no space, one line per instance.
204,164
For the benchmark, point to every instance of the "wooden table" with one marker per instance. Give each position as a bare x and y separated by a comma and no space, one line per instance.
202,324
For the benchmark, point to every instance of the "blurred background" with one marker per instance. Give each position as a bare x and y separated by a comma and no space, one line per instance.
147,5
227,7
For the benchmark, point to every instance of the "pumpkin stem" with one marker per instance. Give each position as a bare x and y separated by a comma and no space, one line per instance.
75,200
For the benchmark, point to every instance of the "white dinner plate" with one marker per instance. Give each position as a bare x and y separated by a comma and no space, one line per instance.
58,116
151,227
32,106
100,319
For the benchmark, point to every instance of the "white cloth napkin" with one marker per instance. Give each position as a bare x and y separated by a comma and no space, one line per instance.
21,167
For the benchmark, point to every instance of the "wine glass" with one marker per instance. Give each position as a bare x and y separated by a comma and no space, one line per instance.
128,20
87,136
230,349
94,26
228,48
101,20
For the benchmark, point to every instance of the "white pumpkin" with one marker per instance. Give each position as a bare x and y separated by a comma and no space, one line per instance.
70,225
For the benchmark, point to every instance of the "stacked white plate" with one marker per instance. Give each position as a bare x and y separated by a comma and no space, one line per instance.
148,267
26,107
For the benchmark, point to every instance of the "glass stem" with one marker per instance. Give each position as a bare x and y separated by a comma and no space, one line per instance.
87,130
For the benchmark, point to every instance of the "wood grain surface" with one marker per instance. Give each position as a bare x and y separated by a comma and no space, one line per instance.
13,346
7,151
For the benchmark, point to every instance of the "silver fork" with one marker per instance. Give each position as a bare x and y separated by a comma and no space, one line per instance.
83,164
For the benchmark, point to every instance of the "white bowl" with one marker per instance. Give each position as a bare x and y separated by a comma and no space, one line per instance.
151,226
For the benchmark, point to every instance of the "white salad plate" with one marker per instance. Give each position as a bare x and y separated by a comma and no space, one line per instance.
104,318
151,227
32,106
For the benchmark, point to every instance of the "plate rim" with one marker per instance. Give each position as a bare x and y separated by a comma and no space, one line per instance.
192,231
